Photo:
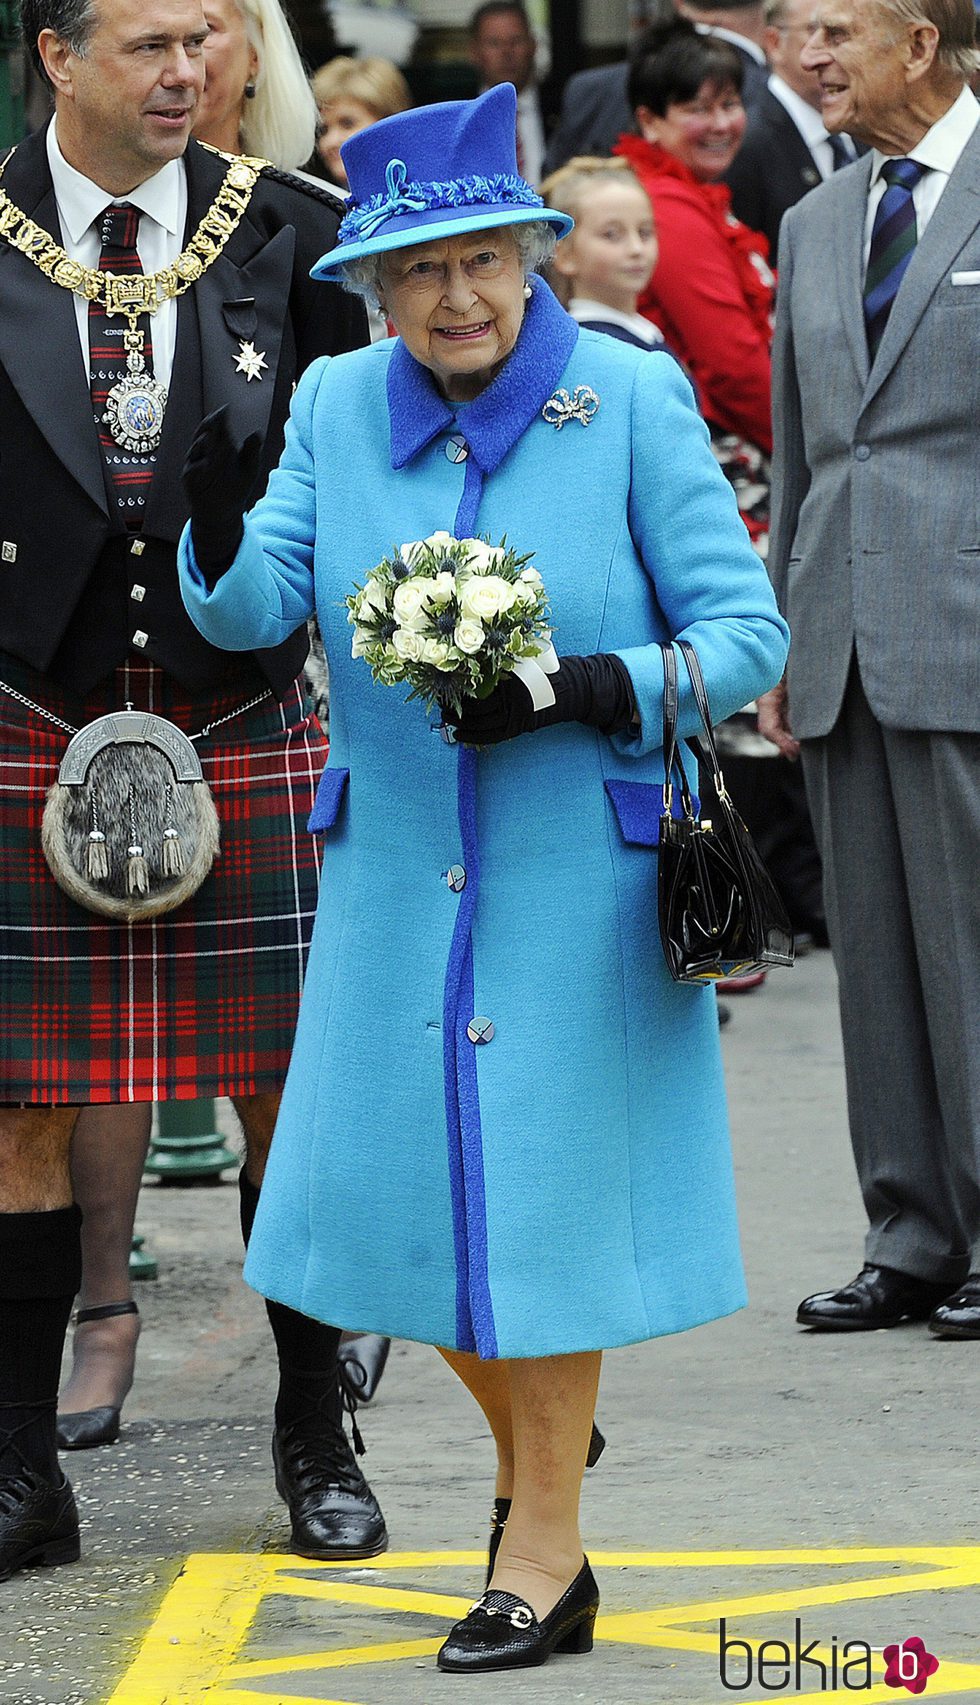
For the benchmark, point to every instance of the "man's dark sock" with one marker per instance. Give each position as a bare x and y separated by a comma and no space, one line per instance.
40,1273
308,1382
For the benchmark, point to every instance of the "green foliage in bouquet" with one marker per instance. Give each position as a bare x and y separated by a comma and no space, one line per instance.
449,617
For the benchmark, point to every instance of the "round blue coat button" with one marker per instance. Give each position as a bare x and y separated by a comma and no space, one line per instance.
456,877
480,1030
457,449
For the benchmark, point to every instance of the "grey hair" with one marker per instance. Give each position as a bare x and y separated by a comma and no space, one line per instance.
954,19
536,243
71,20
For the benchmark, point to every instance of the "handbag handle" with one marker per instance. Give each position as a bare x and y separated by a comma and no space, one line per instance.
670,735
707,742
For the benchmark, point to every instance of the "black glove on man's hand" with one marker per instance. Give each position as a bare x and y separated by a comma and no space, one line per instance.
218,479
596,690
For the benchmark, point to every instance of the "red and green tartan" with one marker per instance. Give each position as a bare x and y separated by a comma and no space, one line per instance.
203,1001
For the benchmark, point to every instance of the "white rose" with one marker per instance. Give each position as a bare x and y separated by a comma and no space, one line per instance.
409,602
525,593
468,636
481,558
484,596
531,577
435,542
437,652
373,599
408,644
442,588
360,642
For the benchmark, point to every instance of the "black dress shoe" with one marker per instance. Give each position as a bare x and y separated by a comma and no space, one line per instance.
501,1630
879,1296
87,1428
959,1315
361,1362
334,1513
38,1523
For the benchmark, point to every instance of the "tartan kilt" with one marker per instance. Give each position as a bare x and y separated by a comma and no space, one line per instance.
197,1003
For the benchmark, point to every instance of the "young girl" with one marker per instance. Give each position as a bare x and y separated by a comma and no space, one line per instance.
601,268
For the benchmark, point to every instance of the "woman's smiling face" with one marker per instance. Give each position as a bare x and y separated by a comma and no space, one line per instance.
704,133
457,303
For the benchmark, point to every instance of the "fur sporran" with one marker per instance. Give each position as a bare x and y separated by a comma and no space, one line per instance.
130,828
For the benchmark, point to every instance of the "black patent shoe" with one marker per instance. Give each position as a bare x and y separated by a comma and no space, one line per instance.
959,1315
334,1513
38,1523
498,1521
501,1630
878,1297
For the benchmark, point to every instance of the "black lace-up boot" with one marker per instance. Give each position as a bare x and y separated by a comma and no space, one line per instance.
334,1513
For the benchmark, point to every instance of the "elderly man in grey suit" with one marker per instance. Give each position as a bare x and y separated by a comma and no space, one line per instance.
875,552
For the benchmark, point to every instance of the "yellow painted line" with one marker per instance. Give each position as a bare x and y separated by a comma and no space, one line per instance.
193,1651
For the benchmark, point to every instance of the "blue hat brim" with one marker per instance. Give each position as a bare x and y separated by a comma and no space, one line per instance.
438,222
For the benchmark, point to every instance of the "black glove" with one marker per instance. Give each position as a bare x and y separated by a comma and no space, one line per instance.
596,690
218,479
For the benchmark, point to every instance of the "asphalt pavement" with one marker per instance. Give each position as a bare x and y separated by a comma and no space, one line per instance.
817,1492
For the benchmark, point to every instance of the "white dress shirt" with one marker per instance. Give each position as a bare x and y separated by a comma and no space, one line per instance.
531,131
939,149
752,48
162,201
809,124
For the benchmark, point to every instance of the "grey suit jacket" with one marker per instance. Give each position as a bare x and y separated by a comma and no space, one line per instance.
875,541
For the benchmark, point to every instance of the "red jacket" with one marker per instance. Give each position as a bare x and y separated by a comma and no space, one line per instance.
711,293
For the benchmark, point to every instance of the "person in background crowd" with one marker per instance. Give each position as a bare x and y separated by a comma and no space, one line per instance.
875,547
605,262
96,1011
351,94
516,1202
256,96
786,149
713,293
502,48
743,27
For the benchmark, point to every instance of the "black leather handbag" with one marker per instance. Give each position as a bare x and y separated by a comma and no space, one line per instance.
720,913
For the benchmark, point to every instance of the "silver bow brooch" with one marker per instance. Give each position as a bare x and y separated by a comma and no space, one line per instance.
562,407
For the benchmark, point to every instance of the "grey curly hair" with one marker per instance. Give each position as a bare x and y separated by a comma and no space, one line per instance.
536,243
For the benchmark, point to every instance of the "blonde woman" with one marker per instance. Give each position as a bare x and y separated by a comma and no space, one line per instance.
350,95
256,99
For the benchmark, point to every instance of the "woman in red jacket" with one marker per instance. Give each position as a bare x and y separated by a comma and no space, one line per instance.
712,290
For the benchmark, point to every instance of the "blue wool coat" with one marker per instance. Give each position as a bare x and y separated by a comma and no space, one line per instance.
566,1186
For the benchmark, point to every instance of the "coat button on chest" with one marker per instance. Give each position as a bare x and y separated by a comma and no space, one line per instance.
480,1031
456,877
457,448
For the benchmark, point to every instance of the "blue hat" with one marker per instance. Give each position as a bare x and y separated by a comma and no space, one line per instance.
435,171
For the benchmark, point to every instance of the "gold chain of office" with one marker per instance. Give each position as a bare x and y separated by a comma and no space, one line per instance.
136,404
137,293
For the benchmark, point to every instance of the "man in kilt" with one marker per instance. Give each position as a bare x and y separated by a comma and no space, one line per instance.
202,1000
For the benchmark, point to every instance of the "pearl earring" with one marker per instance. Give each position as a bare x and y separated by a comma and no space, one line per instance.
528,293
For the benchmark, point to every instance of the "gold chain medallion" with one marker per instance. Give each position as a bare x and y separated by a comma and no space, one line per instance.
136,404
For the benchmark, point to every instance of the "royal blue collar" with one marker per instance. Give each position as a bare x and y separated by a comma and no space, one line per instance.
501,413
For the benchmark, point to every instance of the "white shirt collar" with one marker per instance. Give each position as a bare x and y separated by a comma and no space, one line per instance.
806,118
943,144
583,308
752,48
80,201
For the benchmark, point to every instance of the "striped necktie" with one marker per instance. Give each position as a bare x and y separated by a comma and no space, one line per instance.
130,472
839,152
893,240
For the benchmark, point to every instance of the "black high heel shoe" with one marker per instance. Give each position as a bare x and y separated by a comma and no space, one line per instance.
501,1630
90,1427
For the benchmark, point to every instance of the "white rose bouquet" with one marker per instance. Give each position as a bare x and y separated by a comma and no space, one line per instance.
450,617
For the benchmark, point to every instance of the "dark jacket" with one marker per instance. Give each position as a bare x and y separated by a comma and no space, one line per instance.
772,170
70,569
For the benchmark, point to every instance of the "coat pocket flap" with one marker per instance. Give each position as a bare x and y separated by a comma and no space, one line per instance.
639,807
327,802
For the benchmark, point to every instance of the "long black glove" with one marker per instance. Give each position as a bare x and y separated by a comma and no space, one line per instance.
596,690
218,478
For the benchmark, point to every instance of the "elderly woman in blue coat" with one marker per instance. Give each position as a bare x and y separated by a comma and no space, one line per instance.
504,1129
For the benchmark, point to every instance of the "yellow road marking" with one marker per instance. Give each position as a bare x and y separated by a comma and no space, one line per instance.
194,1649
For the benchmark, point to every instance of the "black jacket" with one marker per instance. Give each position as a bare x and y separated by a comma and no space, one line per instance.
772,170
68,565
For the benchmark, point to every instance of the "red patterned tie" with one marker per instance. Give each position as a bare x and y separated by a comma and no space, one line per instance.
130,472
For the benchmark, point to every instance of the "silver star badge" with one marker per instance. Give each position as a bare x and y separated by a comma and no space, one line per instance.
250,361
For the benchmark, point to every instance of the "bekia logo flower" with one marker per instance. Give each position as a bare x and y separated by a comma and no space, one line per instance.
909,1665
